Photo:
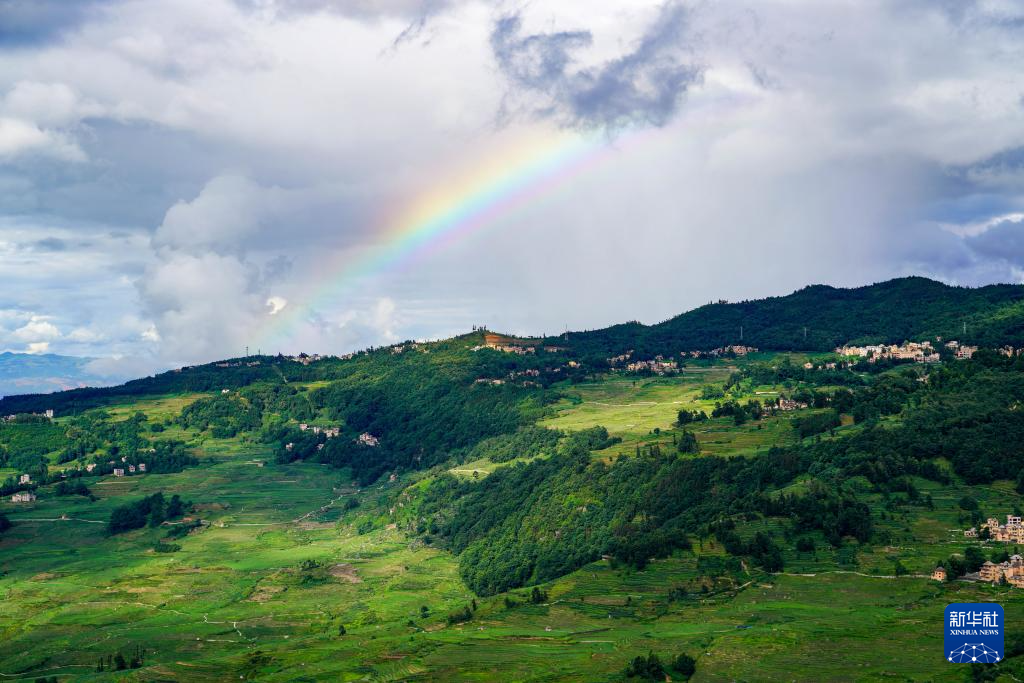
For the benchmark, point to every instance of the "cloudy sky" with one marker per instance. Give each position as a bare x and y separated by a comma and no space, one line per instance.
180,180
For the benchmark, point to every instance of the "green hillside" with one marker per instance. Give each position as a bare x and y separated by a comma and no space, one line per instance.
820,318
447,511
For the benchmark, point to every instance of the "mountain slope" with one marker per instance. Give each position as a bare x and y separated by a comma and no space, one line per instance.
891,311
820,317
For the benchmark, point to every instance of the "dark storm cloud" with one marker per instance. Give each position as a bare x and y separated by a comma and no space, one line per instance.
30,22
1004,241
643,86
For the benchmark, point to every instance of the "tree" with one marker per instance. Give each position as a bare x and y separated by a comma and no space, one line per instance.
649,668
973,558
685,665
687,442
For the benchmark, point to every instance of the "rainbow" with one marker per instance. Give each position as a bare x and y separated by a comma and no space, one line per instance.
513,180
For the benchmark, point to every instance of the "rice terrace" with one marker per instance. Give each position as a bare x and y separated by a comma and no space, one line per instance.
455,511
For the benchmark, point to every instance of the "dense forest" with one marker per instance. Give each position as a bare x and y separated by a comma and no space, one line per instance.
529,523
820,318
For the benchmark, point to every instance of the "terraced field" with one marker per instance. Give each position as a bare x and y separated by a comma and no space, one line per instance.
299,575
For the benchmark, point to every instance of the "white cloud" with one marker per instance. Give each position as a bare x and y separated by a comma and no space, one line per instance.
38,347
228,210
47,104
19,137
276,304
37,329
85,335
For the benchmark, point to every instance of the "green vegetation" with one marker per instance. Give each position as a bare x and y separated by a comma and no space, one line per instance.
569,523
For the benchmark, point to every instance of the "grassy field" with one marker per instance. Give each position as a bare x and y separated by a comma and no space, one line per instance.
642,411
298,575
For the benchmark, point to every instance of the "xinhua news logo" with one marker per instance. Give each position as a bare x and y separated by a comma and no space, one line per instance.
974,632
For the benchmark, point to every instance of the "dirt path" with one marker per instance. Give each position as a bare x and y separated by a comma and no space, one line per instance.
58,519
846,571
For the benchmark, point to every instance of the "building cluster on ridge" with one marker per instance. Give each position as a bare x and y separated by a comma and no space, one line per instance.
13,418
328,432
921,352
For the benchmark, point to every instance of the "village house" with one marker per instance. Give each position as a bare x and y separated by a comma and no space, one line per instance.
131,468
1011,570
920,352
118,471
23,497
966,352
506,344
25,479
90,467
990,572
142,467
658,366
939,574
305,358
789,404
1011,532
615,360
732,349
971,533
368,439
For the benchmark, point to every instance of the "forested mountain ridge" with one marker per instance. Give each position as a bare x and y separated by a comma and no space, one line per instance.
815,318
820,318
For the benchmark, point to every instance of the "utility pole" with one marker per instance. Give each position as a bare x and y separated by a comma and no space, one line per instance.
246,351
805,333
741,332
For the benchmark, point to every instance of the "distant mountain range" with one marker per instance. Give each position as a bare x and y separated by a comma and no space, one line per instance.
24,373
